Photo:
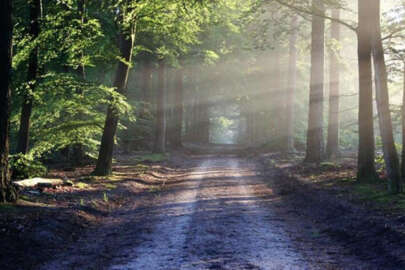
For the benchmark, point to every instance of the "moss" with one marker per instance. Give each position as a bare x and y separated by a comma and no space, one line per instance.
378,194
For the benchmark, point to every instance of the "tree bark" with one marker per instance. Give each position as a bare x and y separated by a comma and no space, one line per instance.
292,84
366,152
146,84
104,162
26,110
78,149
160,129
403,127
383,107
7,192
178,110
315,144
332,146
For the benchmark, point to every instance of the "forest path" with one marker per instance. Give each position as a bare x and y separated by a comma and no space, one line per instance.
220,215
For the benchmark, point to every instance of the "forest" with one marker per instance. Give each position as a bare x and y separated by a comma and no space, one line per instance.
202,134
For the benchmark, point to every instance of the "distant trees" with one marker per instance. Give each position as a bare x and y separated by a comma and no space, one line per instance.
315,138
160,128
292,84
7,191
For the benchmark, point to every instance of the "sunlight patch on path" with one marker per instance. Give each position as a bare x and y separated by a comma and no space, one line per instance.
163,248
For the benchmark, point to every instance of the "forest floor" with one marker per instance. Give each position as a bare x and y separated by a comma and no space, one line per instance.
208,211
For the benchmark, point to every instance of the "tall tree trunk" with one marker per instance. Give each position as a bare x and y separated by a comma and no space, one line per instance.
384,115
104,162
332,146
146,84
7,191
26,110
403,127
314,151
160,140
292,84
366,152
178,109
78,148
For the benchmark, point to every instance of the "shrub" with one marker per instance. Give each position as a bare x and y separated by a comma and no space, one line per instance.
24,166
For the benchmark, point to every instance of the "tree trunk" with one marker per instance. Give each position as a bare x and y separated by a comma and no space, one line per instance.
332,146
146,84
178,109
104,162
403,127
314,151
292,84
383,106
366,155
78,149
26,110
160,140
7,191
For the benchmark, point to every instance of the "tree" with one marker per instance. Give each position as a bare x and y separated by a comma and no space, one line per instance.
104,162
366,152
7,191
315,142
332,146
178,109
160,129
384,115
292,84
32,76
403,125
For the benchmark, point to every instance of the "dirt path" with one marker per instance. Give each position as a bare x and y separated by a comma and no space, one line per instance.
220,215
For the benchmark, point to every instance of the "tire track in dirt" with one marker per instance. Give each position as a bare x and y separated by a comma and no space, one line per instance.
163,247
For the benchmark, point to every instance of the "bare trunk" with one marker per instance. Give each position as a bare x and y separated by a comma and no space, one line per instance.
104,162
160,136
292,84
332,146
7,191
178,109
383,106
26,110
315,142
403,127
365,163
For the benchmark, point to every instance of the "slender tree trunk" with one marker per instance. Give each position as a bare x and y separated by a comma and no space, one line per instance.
366,155
78,148
104,162
332,146
160,140
146,84
7,191
384,115
178,109
292,84
315,142
403,127
26,110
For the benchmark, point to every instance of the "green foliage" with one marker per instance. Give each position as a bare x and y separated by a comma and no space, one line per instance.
25,166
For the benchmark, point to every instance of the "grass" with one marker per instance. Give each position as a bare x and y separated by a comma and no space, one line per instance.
81,185
377,193
7,208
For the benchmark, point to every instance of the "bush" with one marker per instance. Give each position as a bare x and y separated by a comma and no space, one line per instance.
24,166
